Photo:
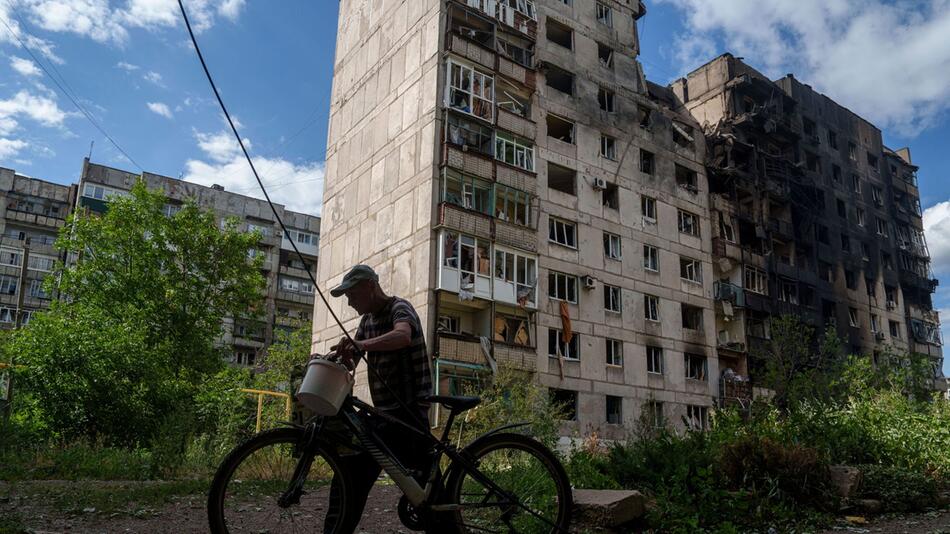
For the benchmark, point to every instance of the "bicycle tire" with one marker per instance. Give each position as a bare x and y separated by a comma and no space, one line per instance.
286,439
479,452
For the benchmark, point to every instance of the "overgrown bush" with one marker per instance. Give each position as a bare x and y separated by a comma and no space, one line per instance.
898,489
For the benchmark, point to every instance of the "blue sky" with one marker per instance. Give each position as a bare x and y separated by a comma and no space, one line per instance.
128,63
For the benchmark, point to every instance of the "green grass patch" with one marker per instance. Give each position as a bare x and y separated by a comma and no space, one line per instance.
76,461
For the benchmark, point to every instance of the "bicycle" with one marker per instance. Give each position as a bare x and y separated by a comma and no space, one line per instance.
502,481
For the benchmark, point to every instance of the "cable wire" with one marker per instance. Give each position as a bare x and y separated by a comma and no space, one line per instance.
62,89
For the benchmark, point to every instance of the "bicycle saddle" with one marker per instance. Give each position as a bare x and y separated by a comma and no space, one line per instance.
456,404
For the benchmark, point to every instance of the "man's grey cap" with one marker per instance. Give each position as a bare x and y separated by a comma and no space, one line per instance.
356,275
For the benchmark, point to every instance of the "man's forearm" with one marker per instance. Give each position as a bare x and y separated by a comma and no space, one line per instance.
393,340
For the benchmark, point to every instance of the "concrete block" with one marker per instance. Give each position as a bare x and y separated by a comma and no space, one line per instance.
608,508
846,480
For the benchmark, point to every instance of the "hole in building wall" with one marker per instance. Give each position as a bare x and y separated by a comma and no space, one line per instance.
559,79
560,129
562,179
560,34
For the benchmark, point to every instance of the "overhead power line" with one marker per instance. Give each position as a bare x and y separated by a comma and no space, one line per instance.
62,89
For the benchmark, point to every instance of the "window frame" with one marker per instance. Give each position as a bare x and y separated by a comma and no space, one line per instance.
654,360
613,352
651,308
693,228
553,223
613,246
474,73
569,286
522,151
651,252
565,349
613,298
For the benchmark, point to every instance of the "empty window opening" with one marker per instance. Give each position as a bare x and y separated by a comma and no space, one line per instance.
842,210
686,178
472,26
517,49
560,129
610,196
691,270
682,135
560,34
645,114
567,400
695,365
647,162
605,97
562,179
513,100
606,56
512,330
605,15
560,80
469,133
608,147
614,410
692,317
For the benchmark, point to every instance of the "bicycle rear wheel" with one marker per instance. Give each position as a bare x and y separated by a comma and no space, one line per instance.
536,494
247,486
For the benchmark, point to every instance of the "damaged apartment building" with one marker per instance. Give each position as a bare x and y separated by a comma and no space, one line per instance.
812,216
505,166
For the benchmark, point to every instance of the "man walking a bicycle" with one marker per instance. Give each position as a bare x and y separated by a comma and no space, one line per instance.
391,335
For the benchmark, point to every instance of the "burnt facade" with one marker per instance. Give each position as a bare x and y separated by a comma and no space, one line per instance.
812,216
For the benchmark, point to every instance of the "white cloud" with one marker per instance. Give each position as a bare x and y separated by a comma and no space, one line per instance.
128,67
299,187
160,109
151,13
153,77
937,230
890,63
24,66
10,147
15,34
231,9
25,104
91,18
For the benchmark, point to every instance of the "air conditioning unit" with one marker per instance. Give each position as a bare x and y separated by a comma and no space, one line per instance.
879,336
590,282
599,184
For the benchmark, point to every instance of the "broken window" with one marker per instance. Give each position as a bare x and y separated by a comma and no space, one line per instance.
562,287
852,151
895,329
821,234
512,330
560,129
517,49
872,162
645,116
695,365
682,134
826,271
648,208
608,147
469,133
512,205
832,139
514,150
560,34
562,232
789,292
466,191
654,360
726,230
518,269
836,174
514,100
612,246
565,399
845,243
559,79
877,195
605,15
562,179
686,178
812,162
614,404
853,317
756,280
850,279
610,196
691,270
697,417
647,162
865,250
842,210
651,308
606,56
808,126
654,414
881,227
688,223
472,26
692,317
612,298
471,91
449,324
651,258
605,97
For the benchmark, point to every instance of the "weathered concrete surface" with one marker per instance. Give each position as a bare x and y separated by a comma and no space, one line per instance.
608,508
846,480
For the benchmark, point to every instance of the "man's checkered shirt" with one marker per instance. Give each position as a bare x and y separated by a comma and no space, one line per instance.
405,371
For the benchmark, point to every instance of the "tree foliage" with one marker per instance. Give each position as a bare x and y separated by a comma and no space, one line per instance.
143,308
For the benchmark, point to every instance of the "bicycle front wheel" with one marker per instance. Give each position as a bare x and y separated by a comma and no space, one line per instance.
247,490
529,490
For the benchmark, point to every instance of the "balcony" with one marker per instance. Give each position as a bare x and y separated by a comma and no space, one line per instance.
35,218
469,162
516,124
726,249
781,229
517,72
465,221
729,292
461,348
517,236
522,358
469,50
293,296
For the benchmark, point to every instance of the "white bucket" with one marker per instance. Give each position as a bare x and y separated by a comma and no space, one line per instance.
325,386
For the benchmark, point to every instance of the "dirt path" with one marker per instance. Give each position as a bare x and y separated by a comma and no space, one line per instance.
179,507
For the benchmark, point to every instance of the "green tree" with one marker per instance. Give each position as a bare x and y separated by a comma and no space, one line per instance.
289,350
144,304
